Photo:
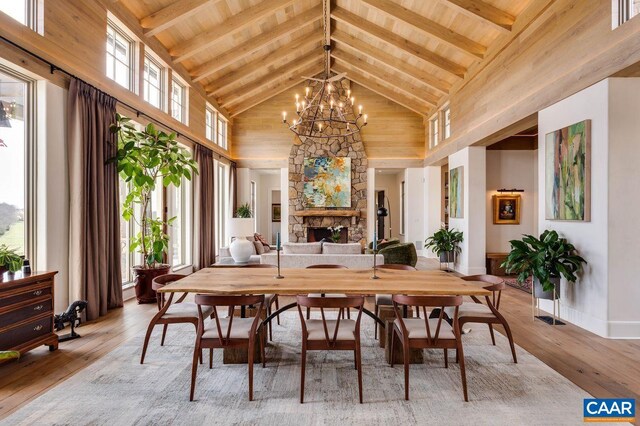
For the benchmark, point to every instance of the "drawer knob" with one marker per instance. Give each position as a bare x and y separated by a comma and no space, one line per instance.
37,292
38,328
38,308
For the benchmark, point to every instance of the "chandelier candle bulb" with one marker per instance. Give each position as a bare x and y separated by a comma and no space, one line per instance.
360,109
349,93
297,98
307,91
284,116
365,119
353,100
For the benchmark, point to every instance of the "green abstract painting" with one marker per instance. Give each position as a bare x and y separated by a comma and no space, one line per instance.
327,182
456,193
568,173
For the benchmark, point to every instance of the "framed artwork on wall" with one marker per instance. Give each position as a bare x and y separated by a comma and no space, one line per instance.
456,193
506,209
327,182
276,212
568,173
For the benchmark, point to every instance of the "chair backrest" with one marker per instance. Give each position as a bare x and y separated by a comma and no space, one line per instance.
327,266
397,266
231,302
342,303
259,265
425,302
496,285
161,281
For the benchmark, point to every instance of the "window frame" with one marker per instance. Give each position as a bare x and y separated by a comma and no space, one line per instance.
161,86
221,204
446,122
31,16
402,207
434,131
210,127
186,205
183,100
118,31
253,196
222,138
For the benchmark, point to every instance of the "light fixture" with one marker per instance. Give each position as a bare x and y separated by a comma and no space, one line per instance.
509,190
384,212
326,111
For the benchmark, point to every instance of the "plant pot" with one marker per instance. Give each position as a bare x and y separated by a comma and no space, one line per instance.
3,269
548,295
447,256
143,279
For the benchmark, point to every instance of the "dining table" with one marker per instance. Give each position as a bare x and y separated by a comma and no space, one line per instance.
294,281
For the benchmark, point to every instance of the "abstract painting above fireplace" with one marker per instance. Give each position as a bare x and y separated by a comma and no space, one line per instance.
327,182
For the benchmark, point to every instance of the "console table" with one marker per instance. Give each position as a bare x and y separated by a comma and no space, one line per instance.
26,311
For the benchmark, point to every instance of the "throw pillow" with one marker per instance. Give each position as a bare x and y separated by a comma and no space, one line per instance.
260,238
259,247
302,248
332,248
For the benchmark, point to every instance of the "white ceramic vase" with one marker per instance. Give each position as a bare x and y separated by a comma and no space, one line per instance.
241,250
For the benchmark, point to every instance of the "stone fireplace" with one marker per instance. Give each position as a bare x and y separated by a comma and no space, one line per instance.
301,219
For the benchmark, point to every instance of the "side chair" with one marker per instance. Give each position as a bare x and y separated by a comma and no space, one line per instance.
327,266
385,299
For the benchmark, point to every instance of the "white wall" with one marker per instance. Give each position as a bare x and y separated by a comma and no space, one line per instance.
284,188
414,200
432,202
512,169
266,182
473,223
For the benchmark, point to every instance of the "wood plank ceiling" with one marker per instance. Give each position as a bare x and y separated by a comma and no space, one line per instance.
244,52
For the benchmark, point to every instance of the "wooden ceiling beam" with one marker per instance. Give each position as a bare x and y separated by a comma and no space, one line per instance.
256,43
223,85
408,102
497,18
171,15
232,25
391,80
386,36
429,27
360,47
287,69
280,87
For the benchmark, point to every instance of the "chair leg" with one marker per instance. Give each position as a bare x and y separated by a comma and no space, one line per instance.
446,358
262,352
146,341
375,323
393,340
200,355
302,371
269,325
164,334
507,329
493,338
348,313
194,369
405,353
210,358
462,372
251,350
355,359
359,368
308,313
277,303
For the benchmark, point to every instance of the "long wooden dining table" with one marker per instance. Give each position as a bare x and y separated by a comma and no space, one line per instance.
236,281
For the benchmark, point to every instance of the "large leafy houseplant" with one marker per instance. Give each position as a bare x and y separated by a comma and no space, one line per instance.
546,259
445,241
10,260
244,211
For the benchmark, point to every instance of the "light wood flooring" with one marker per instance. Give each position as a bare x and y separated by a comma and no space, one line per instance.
602,367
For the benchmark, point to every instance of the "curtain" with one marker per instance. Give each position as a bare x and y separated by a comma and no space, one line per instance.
233,188
94,220
204,214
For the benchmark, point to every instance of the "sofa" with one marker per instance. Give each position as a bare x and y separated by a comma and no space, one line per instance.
395,252
302,255
258,249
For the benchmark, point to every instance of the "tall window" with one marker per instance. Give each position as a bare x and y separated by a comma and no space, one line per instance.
222,132
178,101
153,82
402,209
222,204
210,123
434,125
179,207
15,170
23,11
119,57
627,9
446,117
254,204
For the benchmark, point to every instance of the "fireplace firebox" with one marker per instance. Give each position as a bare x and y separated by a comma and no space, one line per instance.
315,234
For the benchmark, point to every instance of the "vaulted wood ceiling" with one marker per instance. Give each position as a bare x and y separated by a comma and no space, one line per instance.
244,52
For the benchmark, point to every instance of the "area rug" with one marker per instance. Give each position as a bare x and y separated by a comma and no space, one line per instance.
117,390
513,282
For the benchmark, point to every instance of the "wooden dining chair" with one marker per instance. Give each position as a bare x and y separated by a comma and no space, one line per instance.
487,313
423,333
331,335
179,312
229,332
385,299
269,299
327,266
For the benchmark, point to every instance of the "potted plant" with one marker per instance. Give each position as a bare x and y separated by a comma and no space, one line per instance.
546,259
146,159
445,243
9,260
336,233
244,211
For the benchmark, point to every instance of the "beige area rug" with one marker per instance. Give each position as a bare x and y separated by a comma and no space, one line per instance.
117,390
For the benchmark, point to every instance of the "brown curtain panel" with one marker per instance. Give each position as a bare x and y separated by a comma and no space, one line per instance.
204,216
233,189
94,221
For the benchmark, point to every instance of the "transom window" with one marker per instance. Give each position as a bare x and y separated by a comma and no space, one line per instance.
627,9
435,131
210,123
178,101
153,82
23,11
222,132
446,116
119,57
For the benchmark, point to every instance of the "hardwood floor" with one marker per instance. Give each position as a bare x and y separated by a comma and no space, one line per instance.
602,367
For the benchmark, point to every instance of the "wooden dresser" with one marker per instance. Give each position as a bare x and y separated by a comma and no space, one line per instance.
26,312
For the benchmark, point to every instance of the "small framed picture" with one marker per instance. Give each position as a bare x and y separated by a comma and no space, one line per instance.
506,209
276,213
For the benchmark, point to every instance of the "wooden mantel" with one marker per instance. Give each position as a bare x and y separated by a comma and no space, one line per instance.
328,213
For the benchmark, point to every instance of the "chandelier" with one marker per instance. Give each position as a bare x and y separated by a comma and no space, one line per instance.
325,107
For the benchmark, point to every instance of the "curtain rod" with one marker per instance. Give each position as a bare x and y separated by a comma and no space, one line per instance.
53,67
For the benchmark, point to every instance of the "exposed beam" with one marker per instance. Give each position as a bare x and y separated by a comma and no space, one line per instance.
284,70
490,14
232,25
391,80
407,102
256,43
363,48
277,89
169,16
221,86
429,27
386,36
